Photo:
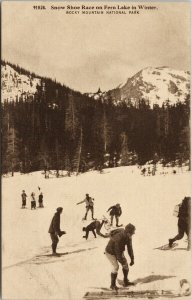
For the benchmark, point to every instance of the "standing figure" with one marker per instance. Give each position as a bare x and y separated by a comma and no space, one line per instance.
89,205
115,253
41,200
95,225
55,231
143,171
184,222
115,211
33,201
24,199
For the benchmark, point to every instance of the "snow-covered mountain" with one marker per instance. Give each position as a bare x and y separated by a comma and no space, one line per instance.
153,85
15,85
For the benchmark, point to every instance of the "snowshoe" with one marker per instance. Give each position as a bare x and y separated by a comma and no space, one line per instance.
114,288
128,283
55,254
125,284
167,247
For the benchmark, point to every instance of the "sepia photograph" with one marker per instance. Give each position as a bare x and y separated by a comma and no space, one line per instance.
95,150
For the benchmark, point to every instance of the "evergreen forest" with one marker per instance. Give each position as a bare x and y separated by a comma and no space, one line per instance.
58,128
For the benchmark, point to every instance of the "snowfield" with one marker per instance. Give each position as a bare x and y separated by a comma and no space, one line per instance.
15,85
157,85
146,201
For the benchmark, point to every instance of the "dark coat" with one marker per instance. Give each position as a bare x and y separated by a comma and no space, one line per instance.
24,196
115,210
185,211
95,225
40,198
55,224
117,243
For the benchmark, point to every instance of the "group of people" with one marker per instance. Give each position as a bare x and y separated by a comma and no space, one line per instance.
33,200
96,225
119,238
115,210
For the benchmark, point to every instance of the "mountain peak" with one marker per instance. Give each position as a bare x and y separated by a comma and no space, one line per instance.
156,86
153,85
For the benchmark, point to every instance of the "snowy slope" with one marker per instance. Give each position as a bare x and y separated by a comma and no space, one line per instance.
153,85
157,85
146,202
15,85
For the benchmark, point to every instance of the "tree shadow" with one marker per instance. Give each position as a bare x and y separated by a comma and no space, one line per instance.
151,278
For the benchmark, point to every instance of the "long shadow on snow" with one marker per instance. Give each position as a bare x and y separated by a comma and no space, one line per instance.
66,253
49,258
147,279
151,278
176,249
46,258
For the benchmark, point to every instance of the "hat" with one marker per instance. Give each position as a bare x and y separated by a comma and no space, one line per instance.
117,204
59,209
23,191
130,228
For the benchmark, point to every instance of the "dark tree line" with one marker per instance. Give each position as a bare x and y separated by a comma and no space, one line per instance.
61,129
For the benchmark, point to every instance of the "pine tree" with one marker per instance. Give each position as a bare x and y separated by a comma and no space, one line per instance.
58,158
79,150
12,154
73,134
43,156
71,119
127,157
107,130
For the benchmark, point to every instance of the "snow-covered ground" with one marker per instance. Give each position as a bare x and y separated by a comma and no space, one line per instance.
146,201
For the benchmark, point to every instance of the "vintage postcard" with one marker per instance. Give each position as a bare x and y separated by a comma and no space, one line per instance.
96,172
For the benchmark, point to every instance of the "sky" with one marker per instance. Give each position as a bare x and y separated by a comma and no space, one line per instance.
86,52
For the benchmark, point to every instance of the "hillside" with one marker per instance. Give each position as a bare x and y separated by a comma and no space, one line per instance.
48,125
15,85
155,86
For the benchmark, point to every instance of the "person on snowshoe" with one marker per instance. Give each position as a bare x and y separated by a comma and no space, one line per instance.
24,199
33,201
95,225
55,230
41,200
116,211
114,251
184,222
89,205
